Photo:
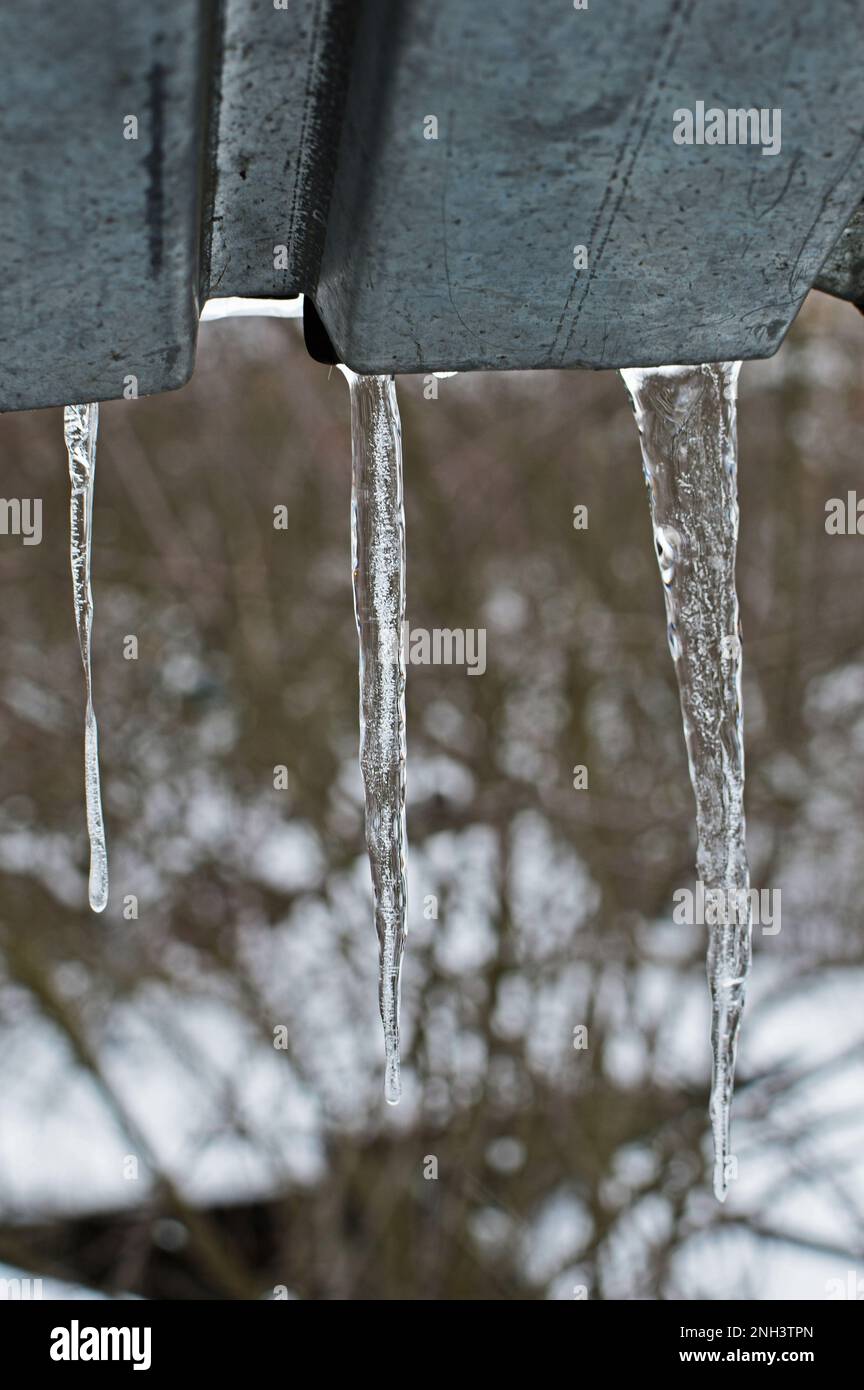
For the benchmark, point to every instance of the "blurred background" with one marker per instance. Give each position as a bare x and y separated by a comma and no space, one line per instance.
154,1138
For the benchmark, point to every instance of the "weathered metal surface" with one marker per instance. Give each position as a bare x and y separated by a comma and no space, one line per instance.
283,151
279,106
555,129
99,235
843,272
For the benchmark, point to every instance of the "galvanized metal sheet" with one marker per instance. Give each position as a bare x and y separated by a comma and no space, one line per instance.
99,234
262,128
843,272
555,128
278,102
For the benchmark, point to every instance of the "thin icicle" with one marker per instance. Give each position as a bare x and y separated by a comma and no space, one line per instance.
687,428
378,568
81,424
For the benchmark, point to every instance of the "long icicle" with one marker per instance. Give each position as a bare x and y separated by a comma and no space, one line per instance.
378,569
687,429
81,424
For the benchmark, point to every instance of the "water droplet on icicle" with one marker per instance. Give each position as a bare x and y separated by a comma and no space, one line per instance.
687,429
378,569
81,424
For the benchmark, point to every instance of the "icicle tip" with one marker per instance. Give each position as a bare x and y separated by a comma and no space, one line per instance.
392,1082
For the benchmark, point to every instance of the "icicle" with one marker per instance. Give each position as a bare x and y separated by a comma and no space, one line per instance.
378,567
81,423
687,427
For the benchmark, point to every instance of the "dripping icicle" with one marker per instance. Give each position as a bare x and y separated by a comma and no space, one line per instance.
378,570
687,429
81,424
